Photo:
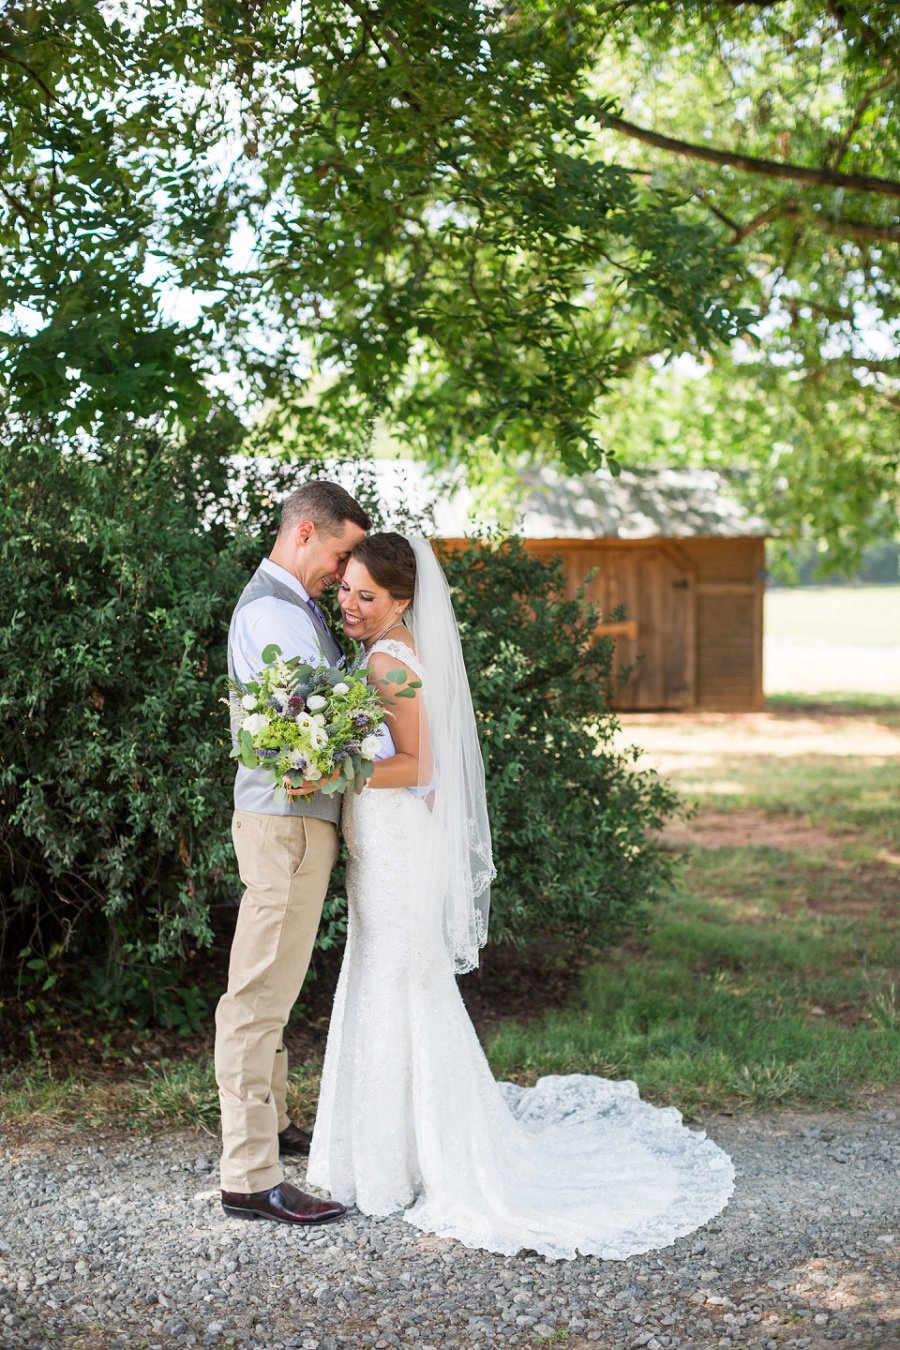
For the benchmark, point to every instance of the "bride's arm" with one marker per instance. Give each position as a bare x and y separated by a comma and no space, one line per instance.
401,769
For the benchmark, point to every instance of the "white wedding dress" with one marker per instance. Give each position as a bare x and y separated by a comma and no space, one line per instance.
411,1120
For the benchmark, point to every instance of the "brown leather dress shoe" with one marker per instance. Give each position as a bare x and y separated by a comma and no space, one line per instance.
283,1203
294,1140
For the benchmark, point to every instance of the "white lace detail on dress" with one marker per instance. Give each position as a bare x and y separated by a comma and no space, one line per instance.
400,652
411,1119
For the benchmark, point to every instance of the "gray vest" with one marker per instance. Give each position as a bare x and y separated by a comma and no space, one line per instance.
252,787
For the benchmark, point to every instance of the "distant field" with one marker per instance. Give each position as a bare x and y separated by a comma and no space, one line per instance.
833,639
854,614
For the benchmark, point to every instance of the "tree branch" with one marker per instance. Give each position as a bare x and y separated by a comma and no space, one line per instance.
769,168
841,226
855,120
31,218
14,61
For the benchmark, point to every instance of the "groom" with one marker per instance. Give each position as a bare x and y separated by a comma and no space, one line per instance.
285,854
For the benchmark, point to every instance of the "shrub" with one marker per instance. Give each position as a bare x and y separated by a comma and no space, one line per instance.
114,776
571,818
118,572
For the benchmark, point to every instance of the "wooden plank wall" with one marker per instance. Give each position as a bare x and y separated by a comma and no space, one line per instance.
695,615
730,587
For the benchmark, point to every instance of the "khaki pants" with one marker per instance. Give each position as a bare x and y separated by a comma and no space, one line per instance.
285,863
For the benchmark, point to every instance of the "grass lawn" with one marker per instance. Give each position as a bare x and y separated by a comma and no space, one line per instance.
768,979
859,615
832,641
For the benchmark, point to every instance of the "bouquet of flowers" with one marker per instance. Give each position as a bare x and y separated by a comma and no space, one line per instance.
305,723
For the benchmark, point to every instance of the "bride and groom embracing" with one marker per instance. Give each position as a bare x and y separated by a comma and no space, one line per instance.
410,1119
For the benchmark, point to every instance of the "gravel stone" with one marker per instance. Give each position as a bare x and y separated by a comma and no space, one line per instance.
113,1245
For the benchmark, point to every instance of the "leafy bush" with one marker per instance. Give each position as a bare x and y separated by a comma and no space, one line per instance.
570,815
114,776
118,572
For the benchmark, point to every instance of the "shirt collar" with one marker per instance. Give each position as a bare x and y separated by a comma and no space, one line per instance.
285,577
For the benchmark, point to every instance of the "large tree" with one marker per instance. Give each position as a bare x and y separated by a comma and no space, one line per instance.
779,120
484,225
379,210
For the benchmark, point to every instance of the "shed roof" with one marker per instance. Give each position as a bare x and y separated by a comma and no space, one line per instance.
637,504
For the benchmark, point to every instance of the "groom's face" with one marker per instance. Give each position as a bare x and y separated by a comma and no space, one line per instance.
321,557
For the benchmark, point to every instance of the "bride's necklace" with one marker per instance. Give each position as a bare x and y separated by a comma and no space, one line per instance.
397,623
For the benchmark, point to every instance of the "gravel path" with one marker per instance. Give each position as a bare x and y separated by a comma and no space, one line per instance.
124,1244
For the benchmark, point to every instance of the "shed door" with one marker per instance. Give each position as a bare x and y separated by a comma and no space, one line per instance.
656,586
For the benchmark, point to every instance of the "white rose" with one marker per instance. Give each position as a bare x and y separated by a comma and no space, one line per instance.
249,702
312,773
254,723
369,747
315,702
319,719
341,688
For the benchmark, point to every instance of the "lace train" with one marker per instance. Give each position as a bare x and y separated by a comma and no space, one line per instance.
411,1119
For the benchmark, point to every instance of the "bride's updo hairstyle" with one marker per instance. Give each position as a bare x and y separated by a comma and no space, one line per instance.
390,561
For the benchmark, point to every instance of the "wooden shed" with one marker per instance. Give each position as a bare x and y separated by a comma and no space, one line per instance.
681,555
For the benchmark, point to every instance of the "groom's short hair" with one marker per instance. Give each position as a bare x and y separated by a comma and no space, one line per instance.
326,504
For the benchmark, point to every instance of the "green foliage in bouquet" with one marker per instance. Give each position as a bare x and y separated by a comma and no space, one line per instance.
571,818
301,723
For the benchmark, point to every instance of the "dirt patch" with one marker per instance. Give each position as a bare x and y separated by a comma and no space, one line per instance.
753,829
840,885
673,742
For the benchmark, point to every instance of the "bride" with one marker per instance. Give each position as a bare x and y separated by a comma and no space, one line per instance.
410,1118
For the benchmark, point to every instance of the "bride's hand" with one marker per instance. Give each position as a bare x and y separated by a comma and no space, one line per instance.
306,788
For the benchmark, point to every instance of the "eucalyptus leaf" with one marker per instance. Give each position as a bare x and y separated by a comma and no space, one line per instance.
247,752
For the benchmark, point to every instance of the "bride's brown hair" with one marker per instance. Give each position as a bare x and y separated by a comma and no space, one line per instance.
390,561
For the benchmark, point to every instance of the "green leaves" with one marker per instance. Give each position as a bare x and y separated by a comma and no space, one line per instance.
398,677
804,410
247,752
432,226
